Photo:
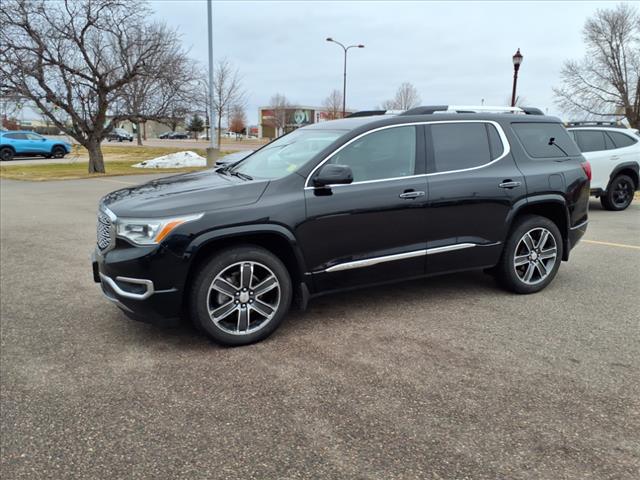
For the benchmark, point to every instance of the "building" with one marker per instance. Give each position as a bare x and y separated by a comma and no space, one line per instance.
295,116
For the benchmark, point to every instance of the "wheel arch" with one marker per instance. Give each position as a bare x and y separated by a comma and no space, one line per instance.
627,168
552,207
275,238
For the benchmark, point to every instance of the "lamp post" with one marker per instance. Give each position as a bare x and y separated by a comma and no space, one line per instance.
344,82
212,152
517,60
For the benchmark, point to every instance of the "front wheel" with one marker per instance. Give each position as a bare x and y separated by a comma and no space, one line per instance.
58,152
531,256
619,194
241,295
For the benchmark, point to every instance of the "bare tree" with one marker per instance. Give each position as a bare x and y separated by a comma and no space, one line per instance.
171,89
607,80
333,105
406,97
227,91
278,105
73,58
238,119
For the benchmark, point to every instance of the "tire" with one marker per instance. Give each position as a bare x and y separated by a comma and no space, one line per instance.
218,287
521,268
619,194
58,152
6,154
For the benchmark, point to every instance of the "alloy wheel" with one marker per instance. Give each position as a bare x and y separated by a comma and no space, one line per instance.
622,193
243,298
535,256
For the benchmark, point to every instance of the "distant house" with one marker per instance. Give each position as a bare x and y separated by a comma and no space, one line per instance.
296,116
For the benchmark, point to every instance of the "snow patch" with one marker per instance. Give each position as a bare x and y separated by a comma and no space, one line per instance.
175,160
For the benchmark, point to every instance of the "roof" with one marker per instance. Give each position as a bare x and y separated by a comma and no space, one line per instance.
382,120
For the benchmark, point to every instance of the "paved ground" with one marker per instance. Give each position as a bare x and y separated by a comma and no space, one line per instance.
444,378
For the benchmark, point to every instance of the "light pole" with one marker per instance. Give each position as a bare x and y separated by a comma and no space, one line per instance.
517,60
211,149
344,75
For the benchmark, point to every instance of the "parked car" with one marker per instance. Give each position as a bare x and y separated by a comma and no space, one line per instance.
24,143
614,155
173,135
344,204
119,135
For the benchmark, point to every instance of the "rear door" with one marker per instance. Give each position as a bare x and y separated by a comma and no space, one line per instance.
598,149
372,230
473,183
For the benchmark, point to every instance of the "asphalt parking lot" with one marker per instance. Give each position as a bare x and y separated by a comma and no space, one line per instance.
448,377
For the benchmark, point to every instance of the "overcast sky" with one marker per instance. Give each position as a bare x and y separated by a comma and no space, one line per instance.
453,52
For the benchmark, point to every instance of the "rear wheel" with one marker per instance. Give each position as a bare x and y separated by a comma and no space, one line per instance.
58,152
241,295
6,154
531,255
619,194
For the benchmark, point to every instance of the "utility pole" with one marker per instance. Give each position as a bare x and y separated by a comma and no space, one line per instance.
212,152
344,72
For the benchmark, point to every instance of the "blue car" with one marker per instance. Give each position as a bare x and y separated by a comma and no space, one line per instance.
28,144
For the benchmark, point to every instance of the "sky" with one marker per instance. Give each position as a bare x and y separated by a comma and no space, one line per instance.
454,53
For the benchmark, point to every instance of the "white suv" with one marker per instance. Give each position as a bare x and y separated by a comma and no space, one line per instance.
614,155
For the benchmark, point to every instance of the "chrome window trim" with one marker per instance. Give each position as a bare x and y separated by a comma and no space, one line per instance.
506,149
123,293
368,262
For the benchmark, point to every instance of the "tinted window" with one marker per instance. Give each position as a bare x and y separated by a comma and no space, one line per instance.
545,140
621,140
495,143
33,136
16,136
590,140
459,145
387,153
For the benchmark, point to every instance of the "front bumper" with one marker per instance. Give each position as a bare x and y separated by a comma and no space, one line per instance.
143,299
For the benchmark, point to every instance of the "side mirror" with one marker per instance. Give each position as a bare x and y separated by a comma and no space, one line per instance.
43,139
331,174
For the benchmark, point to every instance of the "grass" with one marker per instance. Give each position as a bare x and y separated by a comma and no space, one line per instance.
118,161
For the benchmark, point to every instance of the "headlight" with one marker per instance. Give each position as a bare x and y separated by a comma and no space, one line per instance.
151,231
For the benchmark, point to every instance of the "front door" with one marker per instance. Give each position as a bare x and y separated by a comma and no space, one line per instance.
372,230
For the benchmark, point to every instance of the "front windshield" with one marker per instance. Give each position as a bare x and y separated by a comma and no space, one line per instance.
286,154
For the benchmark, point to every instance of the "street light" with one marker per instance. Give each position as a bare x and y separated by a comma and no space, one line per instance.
517,60
344,82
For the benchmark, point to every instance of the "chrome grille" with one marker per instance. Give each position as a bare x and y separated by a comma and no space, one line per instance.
104,231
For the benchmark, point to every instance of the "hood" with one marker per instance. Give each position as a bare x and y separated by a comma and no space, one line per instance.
184,194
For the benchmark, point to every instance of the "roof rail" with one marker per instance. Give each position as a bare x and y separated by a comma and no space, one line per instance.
369,113
593,123
427,110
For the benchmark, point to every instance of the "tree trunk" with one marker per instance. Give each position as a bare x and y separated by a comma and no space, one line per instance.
219,130
138,133
96,160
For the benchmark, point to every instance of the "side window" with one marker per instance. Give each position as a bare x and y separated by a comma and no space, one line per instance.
387,153
545,140
33,136
16,136
495,144
457,146
590,140
621,140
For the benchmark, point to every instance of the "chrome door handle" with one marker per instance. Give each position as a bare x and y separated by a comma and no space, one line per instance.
410,195
510,184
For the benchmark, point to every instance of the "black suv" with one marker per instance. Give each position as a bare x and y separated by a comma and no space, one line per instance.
346,203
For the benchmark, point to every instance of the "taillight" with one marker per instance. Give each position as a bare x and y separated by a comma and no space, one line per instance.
586,166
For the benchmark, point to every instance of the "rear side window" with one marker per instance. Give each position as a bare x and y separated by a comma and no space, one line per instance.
457,146
590,140
545,140
621,140
16,136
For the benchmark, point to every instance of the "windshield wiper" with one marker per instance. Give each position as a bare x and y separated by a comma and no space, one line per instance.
244,176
